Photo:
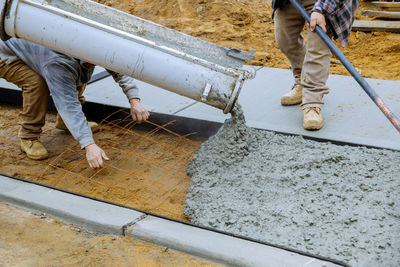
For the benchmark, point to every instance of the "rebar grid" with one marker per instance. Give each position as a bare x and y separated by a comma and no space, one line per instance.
147,168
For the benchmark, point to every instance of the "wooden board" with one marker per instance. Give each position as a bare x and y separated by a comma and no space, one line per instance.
388,6
382,14
373,26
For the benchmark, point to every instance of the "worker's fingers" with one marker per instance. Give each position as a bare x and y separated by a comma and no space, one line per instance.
103,154
313,22
94,156
100,162
96,163
134,117
139,115
323,27
93,164
138,111
317,19
139,118
147,115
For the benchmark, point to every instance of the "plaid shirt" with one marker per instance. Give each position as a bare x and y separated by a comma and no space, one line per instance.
340,14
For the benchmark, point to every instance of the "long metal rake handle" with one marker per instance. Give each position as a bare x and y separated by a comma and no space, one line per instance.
346,63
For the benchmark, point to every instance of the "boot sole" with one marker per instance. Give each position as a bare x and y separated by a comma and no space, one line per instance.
313,127
34,157
288,103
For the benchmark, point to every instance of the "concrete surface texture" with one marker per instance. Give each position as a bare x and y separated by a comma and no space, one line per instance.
335,201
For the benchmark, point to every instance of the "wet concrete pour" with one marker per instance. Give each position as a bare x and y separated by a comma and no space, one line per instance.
335,201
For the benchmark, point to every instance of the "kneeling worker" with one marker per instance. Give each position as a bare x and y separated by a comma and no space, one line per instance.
38,70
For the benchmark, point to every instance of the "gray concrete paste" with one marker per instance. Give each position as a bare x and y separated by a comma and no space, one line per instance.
340,202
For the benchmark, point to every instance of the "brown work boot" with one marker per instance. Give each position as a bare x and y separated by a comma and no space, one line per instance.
34,149
312,118
61,125
293,97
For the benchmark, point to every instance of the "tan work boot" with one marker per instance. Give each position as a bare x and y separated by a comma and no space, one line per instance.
312,118
293,97
61,125
34,149
94,126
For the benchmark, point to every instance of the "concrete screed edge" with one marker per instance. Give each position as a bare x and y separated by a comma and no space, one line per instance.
112,219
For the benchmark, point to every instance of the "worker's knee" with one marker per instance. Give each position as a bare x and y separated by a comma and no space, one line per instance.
33,82
36,80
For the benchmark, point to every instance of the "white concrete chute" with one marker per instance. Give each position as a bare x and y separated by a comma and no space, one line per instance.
130,45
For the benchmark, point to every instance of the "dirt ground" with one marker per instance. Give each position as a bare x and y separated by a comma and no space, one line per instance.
28,239
248,24
147,167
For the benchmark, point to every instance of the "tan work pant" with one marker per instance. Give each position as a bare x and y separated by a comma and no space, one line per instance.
310,64
35,94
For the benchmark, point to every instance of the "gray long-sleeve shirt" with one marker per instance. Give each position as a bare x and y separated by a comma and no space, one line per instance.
62,74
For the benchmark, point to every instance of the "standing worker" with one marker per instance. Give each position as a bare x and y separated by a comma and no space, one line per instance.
310,63
38,70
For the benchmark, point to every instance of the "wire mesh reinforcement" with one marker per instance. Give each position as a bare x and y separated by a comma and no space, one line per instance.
147,167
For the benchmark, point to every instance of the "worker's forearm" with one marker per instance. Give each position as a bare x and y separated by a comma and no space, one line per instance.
86,141
77,125
128,84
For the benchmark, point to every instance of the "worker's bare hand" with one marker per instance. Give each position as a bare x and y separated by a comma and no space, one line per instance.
138,112
317,19
95,156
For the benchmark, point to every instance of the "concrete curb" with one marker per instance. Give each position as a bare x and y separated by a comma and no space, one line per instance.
88,213
107,218
217,247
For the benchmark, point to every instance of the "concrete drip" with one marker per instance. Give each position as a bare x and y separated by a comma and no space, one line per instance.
336,201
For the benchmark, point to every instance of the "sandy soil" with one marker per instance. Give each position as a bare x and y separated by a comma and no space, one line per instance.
28,239
244,24
147,169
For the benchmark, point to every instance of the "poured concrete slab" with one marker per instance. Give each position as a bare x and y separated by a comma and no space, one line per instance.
224,249
94,215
